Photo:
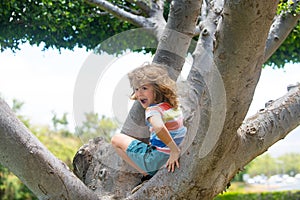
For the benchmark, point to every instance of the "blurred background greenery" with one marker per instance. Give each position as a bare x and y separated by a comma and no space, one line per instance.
59,140
64,144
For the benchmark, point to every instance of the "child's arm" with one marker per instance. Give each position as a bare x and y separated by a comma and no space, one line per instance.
164,135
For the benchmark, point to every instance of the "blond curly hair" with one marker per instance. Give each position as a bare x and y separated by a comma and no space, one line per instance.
156,75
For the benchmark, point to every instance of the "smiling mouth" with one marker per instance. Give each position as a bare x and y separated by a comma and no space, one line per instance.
143,101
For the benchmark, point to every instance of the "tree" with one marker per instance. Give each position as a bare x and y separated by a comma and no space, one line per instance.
265,165
59,121
57,24
289,163
94,126
67,24
235,38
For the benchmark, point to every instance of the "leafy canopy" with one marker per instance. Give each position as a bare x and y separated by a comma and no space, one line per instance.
289,51
55,23
65,24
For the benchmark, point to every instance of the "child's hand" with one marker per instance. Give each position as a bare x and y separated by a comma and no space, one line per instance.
173,161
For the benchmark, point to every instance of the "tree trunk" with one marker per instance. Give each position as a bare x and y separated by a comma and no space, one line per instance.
45,175
234,41
220,86
101,169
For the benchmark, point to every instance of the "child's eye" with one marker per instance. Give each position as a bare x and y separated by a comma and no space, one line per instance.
144,88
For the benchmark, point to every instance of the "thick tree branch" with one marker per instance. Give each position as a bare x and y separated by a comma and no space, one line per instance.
280,29
266,127
255,136
148,7
103,171
171,52
45,175
205,78
238,53
177,35
139,21
155,23
208,162
142,5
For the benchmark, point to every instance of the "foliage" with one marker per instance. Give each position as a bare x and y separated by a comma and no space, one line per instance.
65,24
289,51
287,195
3,175
136,40
12,188
240,175
17,107
290,163
60,124
268,166
56,23
59,140
94,126
288,6
62,145
264,164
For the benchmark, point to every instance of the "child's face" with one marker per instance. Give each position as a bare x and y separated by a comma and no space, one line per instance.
145,95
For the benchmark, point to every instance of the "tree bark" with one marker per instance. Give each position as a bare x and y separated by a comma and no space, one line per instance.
281,27
122,14
179,30
226,68
239,68
253,138
102,170
45,175
267,126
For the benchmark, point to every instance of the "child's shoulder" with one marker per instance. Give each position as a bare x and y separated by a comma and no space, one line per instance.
162,105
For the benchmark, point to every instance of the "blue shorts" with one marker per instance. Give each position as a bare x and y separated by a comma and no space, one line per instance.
146,156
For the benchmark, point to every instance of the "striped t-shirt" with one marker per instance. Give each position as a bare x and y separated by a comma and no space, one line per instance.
173,121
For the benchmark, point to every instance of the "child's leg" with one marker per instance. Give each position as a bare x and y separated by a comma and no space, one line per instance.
121,142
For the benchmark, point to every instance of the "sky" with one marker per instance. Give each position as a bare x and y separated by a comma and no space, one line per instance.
47,83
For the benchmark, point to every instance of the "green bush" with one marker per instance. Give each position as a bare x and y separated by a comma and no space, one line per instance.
11,188
285,195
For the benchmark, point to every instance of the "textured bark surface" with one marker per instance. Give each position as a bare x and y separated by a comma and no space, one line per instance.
27,158
268,125
235,38
173,45
226,68
102,170
281,27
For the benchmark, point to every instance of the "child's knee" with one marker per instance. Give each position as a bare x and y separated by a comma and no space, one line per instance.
115,140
